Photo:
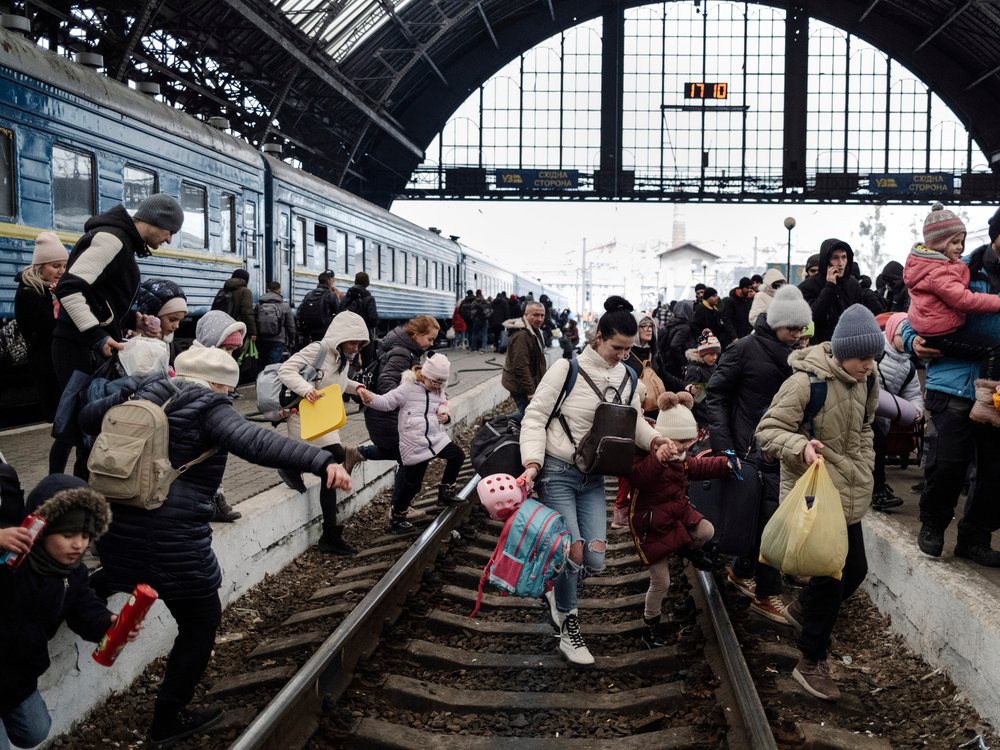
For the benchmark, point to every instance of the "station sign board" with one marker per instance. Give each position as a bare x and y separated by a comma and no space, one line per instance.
538,179
932,183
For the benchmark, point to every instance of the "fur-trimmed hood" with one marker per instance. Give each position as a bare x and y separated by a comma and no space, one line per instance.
83,498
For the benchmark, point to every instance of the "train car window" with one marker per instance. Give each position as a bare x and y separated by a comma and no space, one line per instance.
427,277
227,223
137,185
385,255
451,286
370,254
72,187
341,251
301,242
250,228
399,266
411,270
437,281
320,257
360,253
7,193
194,201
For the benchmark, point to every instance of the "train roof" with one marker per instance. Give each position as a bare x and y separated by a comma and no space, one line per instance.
37,63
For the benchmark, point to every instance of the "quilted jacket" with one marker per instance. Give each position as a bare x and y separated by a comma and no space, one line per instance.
940,297
421,435
170,548
843,424
397,352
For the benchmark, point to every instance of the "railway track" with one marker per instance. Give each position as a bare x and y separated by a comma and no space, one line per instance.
406,667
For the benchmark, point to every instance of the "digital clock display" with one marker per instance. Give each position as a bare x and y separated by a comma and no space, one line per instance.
701,90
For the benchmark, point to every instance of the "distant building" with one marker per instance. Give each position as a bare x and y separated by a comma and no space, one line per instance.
680,268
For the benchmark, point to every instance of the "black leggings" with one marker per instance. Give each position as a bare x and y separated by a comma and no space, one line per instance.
328,497
197,622
413,476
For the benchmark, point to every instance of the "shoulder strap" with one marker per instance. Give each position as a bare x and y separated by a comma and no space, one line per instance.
568,385
909,376
868,393
817,397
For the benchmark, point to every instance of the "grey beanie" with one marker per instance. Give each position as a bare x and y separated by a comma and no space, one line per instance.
161,210
788,309
857,335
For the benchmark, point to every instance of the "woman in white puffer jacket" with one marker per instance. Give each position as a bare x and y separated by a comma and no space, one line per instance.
344,337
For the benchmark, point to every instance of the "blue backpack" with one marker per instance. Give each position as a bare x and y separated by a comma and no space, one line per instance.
533,548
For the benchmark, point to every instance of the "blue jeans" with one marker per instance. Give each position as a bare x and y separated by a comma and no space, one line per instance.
27,725
581,500
520,401
270,351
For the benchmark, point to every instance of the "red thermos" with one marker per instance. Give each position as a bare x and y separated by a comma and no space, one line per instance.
34,524
132,614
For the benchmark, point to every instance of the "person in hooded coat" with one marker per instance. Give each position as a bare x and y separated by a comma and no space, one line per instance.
834,289
736,308
347,334
170,547
891,289
672,346
773,281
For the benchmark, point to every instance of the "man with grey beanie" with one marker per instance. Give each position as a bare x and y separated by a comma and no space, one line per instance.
101,281
745,380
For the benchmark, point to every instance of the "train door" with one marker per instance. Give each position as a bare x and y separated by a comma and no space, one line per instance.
283,254
251,241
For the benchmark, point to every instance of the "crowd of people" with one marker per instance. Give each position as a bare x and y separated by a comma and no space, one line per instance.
733,377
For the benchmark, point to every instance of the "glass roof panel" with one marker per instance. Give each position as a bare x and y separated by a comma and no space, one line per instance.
338,25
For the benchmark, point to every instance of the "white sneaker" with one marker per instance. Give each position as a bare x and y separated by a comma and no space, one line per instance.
556,617
571,644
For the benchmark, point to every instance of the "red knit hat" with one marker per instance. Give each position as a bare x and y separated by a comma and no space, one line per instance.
233,339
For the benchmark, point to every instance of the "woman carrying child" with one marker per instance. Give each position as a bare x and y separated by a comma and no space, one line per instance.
841,435
422,405
940,300
547,453
661,519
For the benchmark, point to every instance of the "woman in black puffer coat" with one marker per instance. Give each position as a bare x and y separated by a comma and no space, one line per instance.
170,547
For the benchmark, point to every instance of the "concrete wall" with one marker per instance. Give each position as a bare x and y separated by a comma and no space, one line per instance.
944,613
277,526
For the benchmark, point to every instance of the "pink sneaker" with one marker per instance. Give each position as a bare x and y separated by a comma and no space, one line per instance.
619,519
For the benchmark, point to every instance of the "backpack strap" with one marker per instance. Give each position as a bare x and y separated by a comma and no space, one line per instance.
817,397
568,385
497,553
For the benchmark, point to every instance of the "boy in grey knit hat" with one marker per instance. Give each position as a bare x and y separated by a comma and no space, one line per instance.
840,433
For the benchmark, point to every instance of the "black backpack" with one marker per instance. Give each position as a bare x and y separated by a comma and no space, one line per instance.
224,301
313,310
269,319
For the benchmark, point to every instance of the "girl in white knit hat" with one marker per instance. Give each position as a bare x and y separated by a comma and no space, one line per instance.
35,309
423,412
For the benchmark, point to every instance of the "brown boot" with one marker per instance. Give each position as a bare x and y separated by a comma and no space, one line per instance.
984,410
815,677
352,458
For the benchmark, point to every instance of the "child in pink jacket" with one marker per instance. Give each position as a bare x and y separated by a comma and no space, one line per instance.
940,299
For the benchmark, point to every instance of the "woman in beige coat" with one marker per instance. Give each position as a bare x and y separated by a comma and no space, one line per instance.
344,337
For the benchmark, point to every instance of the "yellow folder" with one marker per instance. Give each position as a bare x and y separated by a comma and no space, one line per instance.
323,416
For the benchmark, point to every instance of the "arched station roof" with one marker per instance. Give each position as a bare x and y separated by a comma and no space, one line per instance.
356,89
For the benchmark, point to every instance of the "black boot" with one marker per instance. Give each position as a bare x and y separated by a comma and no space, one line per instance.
224,512
704,558
333,543
930,540
293,479
652,633
398,523
446,495
978,550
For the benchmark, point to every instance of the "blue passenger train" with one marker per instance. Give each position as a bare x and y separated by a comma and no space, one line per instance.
74,143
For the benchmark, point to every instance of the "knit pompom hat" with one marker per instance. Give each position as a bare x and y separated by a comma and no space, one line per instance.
940,226
788,309
69,506
436,367
48,249
857,335
675,420
206,365
161,210
708,343
892,325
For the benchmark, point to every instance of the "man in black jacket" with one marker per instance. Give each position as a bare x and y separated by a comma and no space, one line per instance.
740,390
101,281
359,300
834,289
736,308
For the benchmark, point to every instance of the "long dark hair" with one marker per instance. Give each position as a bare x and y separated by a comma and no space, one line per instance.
617,318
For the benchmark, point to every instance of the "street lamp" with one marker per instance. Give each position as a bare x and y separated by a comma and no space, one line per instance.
789,225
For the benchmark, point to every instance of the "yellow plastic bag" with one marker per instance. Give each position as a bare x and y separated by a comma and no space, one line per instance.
804,541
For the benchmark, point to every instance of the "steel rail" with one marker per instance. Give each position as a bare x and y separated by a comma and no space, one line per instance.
747,700
328,672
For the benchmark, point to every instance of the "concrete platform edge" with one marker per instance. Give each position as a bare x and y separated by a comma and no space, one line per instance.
277,526
940,607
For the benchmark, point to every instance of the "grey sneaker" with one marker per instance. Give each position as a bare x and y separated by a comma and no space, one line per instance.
815,677
571,643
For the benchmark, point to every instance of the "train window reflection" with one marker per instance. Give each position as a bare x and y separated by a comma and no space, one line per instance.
250,228
301,242
360,254
6,172
72,188
227,223
320,257
194,201
137,185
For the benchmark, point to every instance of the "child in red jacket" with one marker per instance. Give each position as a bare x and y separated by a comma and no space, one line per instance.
661,519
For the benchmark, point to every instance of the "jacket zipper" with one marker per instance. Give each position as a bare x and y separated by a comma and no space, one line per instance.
427,422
